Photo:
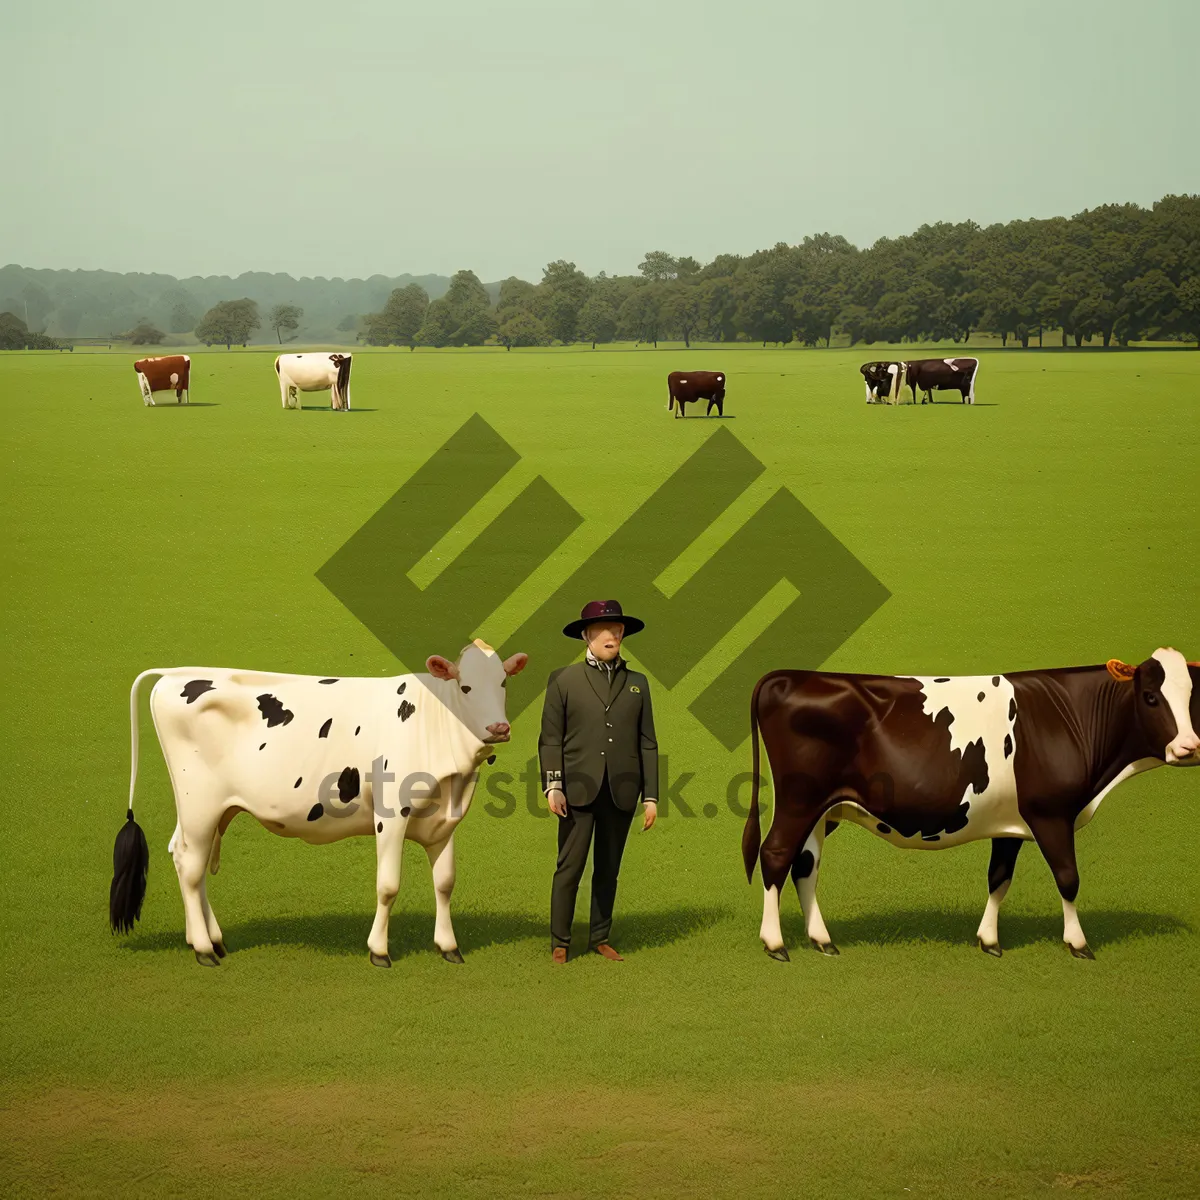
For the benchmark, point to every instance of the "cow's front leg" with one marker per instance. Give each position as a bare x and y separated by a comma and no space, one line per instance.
389,846
441,860
1000,872
1056,839
805,869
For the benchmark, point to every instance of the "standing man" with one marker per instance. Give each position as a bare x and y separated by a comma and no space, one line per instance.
598,756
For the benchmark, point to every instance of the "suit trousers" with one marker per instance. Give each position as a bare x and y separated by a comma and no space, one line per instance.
610,825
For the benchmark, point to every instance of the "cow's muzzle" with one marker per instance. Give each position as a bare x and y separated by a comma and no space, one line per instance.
497,733
1184,751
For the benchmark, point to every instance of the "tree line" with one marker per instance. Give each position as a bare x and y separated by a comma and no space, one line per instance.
1116,273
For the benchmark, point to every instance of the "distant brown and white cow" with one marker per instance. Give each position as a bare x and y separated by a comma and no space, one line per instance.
930,762
314,373
684,387
884,381
167,374
942,374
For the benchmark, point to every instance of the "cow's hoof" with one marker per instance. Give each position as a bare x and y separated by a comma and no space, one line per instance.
780,955
219,950
1083,951
207,960
380,960
825,947
454,956
993,949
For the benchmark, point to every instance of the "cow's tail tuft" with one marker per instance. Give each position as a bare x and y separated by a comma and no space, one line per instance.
131,855
752,833
343,381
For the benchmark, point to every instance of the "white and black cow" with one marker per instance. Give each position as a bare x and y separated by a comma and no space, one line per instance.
883,381
928,762
940,375
321,760
314,373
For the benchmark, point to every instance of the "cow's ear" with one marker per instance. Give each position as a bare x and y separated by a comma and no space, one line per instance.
441,668
515,664
1120,670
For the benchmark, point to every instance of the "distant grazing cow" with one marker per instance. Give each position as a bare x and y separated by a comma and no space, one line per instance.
167,374
310,758
926,763
883,380
685,386
314,373
942,374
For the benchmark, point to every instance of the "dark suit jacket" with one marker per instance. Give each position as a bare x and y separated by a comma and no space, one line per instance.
591,728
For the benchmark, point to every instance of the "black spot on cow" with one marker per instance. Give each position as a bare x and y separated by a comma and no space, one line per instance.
882,827
1008,745
385,764
491,759
325,728
379,827
263,746
943,679
995,681
327,681
406,810
348,784
1012,707
196,689
830,826
298,782
974,761
980,697
802,867
356,729
405,710
400,689
273,712
316,811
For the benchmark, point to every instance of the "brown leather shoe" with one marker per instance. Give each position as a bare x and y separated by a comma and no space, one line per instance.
559,954
608,952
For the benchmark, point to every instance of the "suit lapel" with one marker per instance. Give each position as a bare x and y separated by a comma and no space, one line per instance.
596,683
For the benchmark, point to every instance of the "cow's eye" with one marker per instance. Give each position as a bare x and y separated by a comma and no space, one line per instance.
465,688
1150,698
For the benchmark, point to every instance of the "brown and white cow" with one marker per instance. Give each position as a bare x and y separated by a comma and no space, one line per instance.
315,373
941,375
884,381
930,762
684,387
167,374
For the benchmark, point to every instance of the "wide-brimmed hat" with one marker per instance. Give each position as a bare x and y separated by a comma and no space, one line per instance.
602,610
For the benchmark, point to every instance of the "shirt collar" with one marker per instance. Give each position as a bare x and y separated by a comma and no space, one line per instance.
609,667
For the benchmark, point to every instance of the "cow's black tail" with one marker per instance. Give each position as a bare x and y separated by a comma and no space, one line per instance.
752,833
343,380
131,855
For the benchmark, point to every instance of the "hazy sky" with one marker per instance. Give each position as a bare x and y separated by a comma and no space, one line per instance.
349,137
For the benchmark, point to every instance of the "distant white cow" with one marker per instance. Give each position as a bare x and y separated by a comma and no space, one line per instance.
311,758
314,373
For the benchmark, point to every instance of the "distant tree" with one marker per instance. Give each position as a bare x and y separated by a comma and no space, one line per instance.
438,325
1189,308
13,331
144,334
348,324
640,317
228,321
400,320
658,266
681,309
597,321
515,294
284,316
182,318
462,317
522,328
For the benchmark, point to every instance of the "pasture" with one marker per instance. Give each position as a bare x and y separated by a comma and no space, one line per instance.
1053,523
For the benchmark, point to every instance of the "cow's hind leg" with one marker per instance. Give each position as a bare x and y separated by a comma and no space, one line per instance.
1000,872
805,869
191,849
789,830
1056,839
389,846
441,860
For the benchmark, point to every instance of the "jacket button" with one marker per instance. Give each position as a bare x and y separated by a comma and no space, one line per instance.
610,739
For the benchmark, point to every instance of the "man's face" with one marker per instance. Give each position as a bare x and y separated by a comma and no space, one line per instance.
604,639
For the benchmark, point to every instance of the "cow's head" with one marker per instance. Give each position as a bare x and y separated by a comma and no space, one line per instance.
480,674
1166,704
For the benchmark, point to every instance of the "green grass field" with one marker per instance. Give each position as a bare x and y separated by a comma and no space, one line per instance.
1054,523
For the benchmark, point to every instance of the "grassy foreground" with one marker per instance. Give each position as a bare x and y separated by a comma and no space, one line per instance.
1053,523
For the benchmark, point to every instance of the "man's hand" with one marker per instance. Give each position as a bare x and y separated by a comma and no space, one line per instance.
651,807
557,802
